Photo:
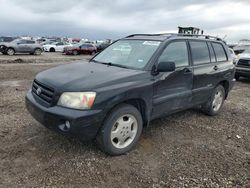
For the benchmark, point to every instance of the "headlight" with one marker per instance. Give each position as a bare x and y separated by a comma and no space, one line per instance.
77,100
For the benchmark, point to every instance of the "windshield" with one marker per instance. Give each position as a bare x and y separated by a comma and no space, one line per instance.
128,53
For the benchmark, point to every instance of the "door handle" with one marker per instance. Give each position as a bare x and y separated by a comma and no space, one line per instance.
216,67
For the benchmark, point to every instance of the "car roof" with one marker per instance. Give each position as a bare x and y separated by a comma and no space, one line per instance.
166,36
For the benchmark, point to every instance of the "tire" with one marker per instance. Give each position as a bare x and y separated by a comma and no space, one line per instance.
10,51
52,50
38,51
92,53
237,77
117,136
216,101
75,52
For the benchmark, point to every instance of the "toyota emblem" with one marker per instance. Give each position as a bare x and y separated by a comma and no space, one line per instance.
38,91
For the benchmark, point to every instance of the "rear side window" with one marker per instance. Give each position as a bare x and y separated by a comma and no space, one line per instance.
219,52
200,53
176,52
30,42
212,55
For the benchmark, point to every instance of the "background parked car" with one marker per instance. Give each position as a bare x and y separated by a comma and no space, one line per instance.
243,65
102,46
56,47
21,46
6,39
233,55
81,49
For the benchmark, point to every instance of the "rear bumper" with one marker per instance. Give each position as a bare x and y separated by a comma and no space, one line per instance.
84,124
2,48
243,71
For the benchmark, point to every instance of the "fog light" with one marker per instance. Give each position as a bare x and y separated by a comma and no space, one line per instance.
65,127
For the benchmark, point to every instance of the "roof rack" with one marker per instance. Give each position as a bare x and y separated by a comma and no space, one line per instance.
178,34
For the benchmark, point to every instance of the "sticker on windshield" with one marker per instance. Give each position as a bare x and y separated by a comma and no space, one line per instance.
151,43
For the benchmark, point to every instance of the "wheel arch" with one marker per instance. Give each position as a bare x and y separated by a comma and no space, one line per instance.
225,84
10,48
138,103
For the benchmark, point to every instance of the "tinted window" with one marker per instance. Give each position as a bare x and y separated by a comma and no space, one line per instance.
175,52
83,46
30,42
212,55
21,41
219,52
200,53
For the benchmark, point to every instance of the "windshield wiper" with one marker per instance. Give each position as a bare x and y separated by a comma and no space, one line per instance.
110,64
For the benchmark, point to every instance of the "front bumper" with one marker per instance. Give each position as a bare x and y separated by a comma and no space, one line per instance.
84,123
242,71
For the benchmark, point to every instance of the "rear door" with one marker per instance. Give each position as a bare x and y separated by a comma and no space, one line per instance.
205,70
172,90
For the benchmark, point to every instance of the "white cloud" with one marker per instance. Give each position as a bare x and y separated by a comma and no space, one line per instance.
108,18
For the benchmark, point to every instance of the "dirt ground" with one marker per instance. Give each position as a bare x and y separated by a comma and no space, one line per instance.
187,149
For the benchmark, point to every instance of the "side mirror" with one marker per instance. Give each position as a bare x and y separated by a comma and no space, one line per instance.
166,67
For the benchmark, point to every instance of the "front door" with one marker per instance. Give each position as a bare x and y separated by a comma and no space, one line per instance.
22,46
173,90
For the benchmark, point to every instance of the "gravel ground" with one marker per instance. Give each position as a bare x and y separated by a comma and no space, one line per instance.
187,149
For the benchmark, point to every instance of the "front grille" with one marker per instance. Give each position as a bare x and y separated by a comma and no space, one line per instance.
43,92
244,62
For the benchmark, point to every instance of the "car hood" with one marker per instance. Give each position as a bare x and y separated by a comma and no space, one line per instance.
244,55
84,76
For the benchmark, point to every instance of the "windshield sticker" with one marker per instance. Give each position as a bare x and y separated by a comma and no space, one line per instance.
151,43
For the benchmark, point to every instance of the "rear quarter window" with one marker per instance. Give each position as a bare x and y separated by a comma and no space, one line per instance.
200,52
219,52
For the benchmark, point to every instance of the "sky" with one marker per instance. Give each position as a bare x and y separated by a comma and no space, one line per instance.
101,19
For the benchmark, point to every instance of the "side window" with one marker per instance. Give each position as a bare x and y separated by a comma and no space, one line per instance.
219,52
212,55
30,42
200,53
175,52
22,41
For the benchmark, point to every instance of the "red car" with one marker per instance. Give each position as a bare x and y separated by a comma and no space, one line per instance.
82,49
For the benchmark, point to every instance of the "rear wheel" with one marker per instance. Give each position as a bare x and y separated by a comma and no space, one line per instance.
237,77
121,130
37,51
214,105
10,51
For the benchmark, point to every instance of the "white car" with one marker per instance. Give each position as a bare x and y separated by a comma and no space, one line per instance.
56,47
233,55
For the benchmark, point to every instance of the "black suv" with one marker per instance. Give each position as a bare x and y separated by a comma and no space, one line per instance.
136,79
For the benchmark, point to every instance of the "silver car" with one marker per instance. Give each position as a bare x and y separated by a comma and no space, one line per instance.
21,46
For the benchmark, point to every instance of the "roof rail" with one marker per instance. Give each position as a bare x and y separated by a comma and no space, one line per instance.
178,34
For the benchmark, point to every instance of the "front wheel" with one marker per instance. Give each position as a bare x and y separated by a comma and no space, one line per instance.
75,52
214,105
10,51
121,130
